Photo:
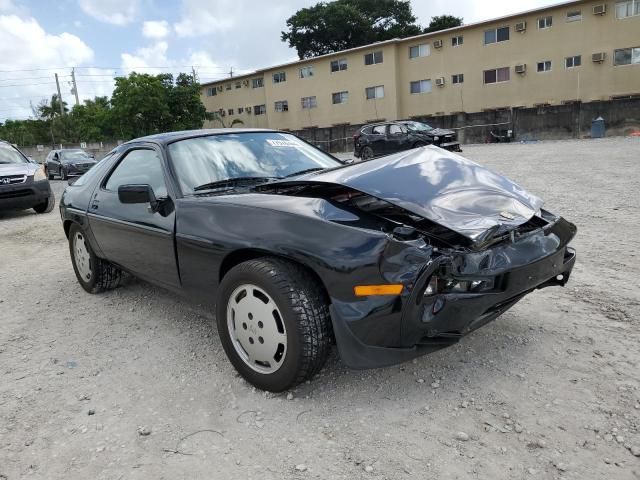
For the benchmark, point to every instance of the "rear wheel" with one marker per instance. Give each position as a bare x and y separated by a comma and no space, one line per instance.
47,205
94,274
367,153
273,321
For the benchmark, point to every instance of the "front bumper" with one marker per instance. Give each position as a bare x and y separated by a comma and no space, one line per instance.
24,195
430,322
451,146
75,169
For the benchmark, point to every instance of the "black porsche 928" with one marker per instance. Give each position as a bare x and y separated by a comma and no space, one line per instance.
389,258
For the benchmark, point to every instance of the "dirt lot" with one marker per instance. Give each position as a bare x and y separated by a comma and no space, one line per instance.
549,390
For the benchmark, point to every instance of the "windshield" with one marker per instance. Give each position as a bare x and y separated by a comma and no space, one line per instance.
418,126
8,154
74,155
204,160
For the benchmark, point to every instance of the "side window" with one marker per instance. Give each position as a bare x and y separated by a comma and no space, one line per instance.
379,129
395,129
139,167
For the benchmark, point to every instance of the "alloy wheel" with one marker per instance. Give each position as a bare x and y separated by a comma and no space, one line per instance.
82,257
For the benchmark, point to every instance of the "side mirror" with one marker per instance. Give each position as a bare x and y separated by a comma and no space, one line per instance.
137,194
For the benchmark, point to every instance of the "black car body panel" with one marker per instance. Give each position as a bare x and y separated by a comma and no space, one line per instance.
18,189
405,219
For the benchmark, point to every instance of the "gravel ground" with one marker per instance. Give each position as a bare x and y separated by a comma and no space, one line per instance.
134,383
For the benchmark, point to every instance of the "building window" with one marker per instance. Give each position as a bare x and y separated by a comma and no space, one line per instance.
339,97
260,109
240,110
238,84
257,82
227,86
626,56
423,50
544,66
306,72
571,62
457,41
309,102
282,106
574,16
375,92
420,86
279,77
496,35
496,75
338,65
545,22
373,58
457,78
211,91
627,8
230,111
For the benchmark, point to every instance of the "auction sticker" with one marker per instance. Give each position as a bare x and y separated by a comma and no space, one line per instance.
282,143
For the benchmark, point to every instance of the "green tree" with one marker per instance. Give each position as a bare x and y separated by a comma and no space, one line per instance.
342,24
443,22
186,109
93,121
50,109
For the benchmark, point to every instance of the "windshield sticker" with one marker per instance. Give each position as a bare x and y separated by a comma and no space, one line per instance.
282,143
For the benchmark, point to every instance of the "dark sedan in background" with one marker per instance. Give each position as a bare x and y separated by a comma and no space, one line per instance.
391,258
67,163
377,139
23,183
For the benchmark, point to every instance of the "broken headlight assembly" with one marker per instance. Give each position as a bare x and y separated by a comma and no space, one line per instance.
438,285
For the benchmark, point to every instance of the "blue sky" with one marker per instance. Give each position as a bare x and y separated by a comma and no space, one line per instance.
105,38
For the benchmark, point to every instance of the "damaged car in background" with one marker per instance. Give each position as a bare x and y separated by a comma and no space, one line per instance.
389,259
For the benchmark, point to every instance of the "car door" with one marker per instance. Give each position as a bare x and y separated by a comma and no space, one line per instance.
378,140
132,235
397,138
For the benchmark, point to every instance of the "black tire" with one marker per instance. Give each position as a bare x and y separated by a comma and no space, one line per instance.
48,174
104,275
366,153
47,205
304,307
63,174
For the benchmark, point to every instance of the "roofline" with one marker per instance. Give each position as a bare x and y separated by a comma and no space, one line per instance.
397,40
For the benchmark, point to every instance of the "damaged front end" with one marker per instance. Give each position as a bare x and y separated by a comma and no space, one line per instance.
459,270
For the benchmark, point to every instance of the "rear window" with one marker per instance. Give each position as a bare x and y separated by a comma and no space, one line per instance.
8,154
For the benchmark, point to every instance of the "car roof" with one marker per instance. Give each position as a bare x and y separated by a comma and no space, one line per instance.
170,137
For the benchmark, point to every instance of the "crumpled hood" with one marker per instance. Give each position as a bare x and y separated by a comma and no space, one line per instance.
441,186
437,132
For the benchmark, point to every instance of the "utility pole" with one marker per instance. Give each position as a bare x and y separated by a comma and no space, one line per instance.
59,95
75,85
193,73
231,72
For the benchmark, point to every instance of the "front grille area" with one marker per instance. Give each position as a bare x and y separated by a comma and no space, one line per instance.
25,192
12,179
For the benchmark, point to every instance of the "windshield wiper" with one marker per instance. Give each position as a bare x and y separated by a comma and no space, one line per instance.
233,182
302,172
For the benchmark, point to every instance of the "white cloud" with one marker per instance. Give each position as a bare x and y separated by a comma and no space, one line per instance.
116,12
155,29
201,17
25,46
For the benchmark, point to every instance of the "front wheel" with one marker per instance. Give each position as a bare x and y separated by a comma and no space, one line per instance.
367,153
47,205
48,173
94,274
274,324
63,174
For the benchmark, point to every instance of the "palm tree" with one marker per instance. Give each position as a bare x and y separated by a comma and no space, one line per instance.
50,109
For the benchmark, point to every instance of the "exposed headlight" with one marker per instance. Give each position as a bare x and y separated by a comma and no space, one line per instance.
39,175
436,138
443,285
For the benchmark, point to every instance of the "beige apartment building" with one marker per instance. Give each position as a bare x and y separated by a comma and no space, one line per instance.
574,51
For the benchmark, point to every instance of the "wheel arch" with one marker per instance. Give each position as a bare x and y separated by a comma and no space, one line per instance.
242,255
67,226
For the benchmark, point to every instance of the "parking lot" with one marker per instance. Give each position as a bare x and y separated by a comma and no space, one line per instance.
134,383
